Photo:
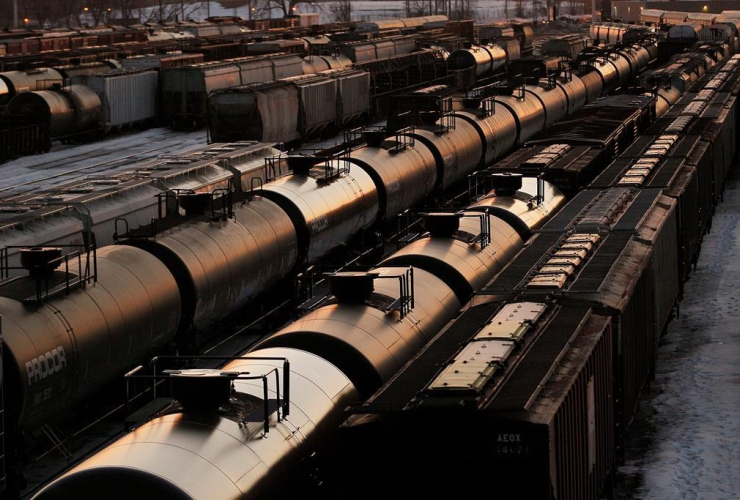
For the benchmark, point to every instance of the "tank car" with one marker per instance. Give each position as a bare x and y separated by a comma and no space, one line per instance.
69,111
65,340
484,58
328,203
528,112
575,89
369,326
552,97
185,89
299,218
525,209
496,125
607,72
359,333
219,266
17,82
194,451
457,151
567,46
446,249
404,173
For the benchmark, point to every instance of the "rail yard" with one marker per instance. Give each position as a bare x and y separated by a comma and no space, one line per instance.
421,256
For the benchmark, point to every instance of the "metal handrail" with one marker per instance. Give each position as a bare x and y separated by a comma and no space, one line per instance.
484,237
283,404
43,290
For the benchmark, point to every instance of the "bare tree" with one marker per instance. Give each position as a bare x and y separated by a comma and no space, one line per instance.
341,11
539,9
462,9
171,11
519,8
127,9
418,8
289,7
68,12
99,10
39,10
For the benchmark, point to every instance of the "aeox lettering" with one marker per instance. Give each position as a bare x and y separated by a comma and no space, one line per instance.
47,364
509,438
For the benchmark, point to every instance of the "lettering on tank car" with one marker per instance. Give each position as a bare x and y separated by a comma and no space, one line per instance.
319,224
45,365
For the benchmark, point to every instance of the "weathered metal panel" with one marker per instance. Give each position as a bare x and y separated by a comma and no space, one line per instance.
318,97
354,94
278,113
127,96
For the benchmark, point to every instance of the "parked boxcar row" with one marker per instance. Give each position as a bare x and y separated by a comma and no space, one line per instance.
535,384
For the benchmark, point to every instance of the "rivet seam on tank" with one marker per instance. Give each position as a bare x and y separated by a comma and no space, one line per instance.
566,259
412,318
490,251
487,352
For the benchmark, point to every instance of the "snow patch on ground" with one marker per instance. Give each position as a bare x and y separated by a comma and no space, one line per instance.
110,155
685,443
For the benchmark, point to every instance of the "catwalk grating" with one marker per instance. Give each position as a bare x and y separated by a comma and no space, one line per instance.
527,377
597,269
518,270
573,209
638,210
421,370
